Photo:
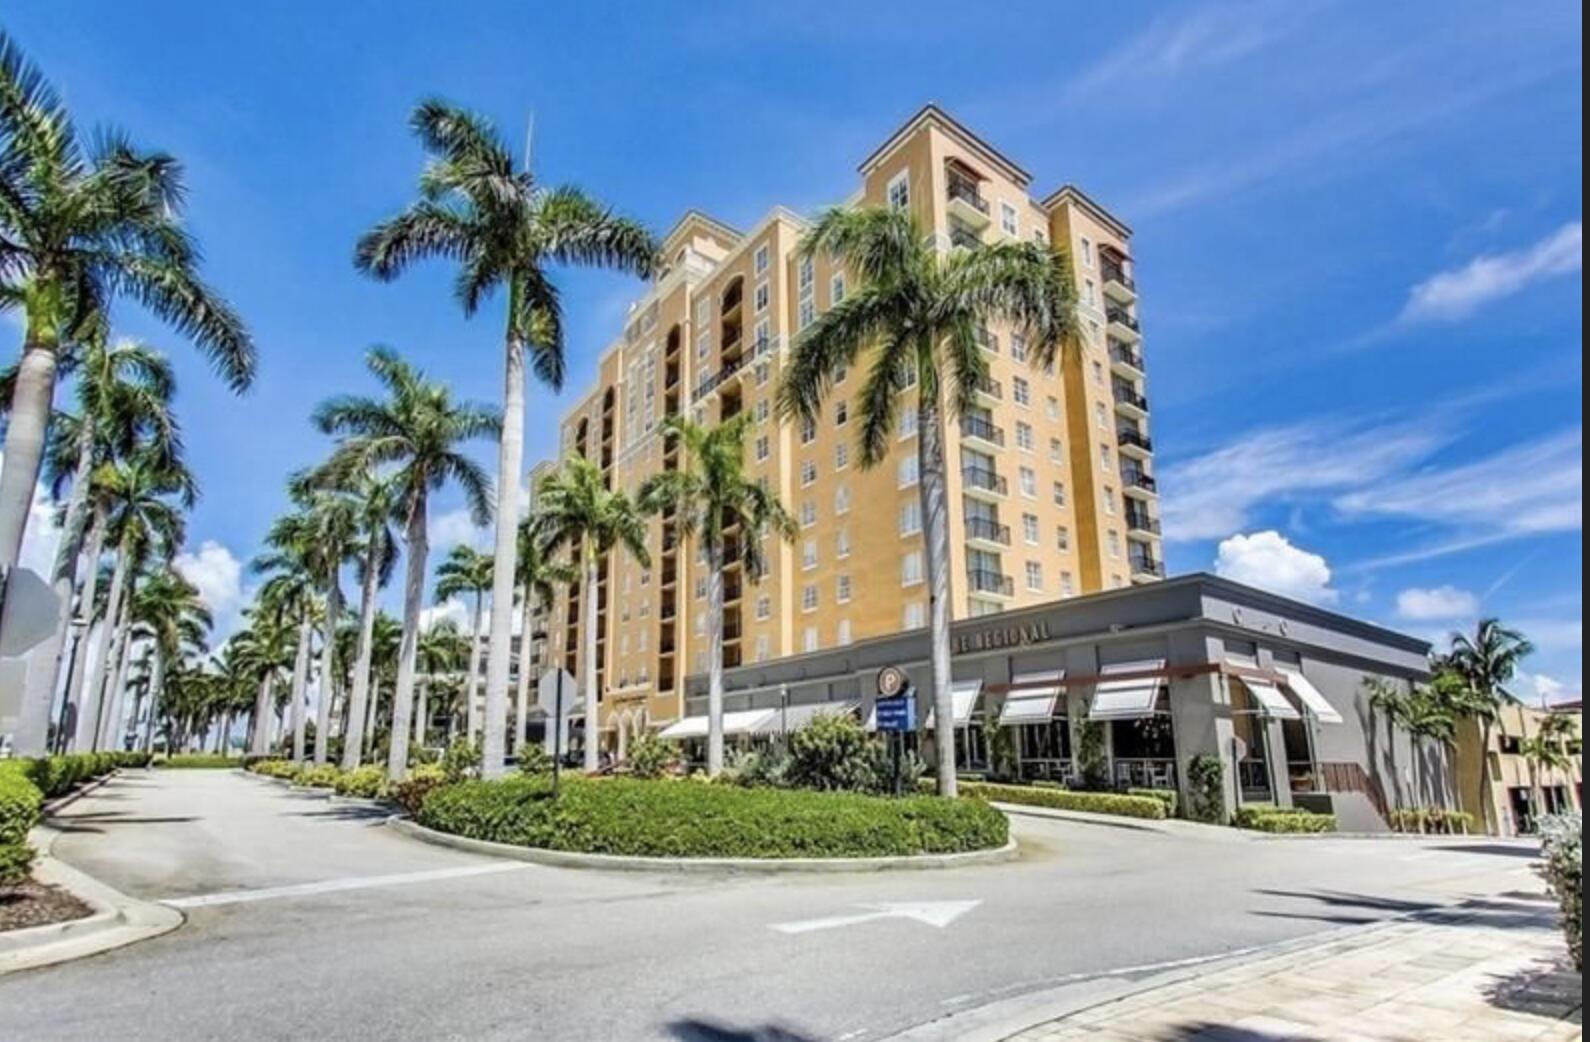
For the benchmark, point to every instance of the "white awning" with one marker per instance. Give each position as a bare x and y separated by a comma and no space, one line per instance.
793,718
1127,698
1032,704
1314,703
741,722
963,698
1270,701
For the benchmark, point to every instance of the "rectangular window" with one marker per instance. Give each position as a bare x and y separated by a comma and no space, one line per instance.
764,409
808,514
842,633
1098,374
808,430
764,608
915,616
809,640
911,568
842,500
841,455
908,421
842,589
1056,453
1007,219
807,275
1059,494
1062,539
1068,586
809,555
1109,501
1034,576
910,517
761,297
1104,456
1020,391
762,650
761,258
1029,528
836,290
908,470
1088,294
809,597
762,450
841,413
1018,347
899,190
1100,416
1087,253
1029,482
1023,436
808,472
842,543
808,314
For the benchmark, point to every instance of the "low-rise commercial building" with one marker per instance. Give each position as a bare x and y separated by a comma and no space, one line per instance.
1523,783
1151,677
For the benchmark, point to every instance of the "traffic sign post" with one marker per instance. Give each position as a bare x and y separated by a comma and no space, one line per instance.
895,713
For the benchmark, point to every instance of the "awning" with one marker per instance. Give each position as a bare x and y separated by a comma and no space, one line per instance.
741,722
793,718
963,699
1314,703
1034,704
1270,701
1128,698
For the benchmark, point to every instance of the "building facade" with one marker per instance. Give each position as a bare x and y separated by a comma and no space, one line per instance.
1520,788
1051,482
1163,673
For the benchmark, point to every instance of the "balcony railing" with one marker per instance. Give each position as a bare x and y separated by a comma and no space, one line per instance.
991,387
1142,564
988,530
984,430
965,239
987,341
711,381
1137,479
1127,396
966,191
1116,273
1140,521
732,298
984,478
1135,438
984,580
1123,355
1121,316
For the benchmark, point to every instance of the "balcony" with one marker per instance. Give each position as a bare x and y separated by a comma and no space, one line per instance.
1118,285
1144,566
1133,442
965,202
987,341
983,482
964,239
1130,402
1123,325
991,388
987,531
1136,481
732,297
990,583
976,428
712,381
1139,522
1125,361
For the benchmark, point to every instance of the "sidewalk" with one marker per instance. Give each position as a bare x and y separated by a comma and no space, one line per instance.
1494,969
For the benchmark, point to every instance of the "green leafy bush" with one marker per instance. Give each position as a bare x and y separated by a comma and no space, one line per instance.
534,760
461,759
1265,817
274,768
684,820
650,757
20,805
1064,799
410,793
1562,843
1431,821
199,761
58,775
317,776
767,766
834,753
367,782
1206,787
1165,796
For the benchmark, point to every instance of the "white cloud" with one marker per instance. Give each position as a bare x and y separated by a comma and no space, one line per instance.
218,576
1539,689
452,610
1267,560
452,527
1530,488
1441,602
1455,294
1212,495
1551,634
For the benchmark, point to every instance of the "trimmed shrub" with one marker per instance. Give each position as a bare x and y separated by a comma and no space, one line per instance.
199,761
317,776
1206,787
367,782
767,766
20,805
1562,843
58,775
1265,817
834,753
461,759
1432,821
410,793
274,768
534,760
650,757
682,820
1165,796
1064,799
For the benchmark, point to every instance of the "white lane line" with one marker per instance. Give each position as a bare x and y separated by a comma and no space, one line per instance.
330,886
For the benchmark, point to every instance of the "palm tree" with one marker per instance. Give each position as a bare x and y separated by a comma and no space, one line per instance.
1487,662
920,313
580,515
290,595
505,231
377,500
122,393
81,224
442,652
1545,750
1428,719
537,576
323,534
261,653
146,494
416,429
710,496
168,612
468,571
1388,700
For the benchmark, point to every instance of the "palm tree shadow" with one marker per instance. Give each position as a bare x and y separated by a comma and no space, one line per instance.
692,1029
1209,1031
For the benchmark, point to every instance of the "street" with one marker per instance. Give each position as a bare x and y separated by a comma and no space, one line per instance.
313,920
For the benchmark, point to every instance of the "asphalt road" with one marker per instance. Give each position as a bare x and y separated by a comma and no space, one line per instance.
313,921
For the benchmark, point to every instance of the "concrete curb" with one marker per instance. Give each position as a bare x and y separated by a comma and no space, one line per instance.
117,920
72,797
327,794
621,863
1164,826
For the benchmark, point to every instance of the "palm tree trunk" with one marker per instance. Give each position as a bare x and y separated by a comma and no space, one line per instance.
472,682
116,691
157,692
421,714
371,717
593,760
397,759
505,565
44,673
31,402
89,706
521,704
936,533
715,657
353,739
85,610
306,636
260,732
328,667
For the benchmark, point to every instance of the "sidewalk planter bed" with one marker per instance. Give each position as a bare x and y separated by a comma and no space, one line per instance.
199,761
1263,817
410,793
1432,821
20,805
363,782
683,819
1120,804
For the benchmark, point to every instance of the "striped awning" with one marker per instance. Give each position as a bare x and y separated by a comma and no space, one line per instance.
1032,698
1129,698
1314,703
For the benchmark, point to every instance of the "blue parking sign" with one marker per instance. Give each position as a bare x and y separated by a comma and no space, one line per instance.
897,714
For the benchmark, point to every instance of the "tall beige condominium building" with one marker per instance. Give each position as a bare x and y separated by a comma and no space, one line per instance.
1051,484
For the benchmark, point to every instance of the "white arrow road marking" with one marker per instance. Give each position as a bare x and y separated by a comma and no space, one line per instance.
933,913
327,886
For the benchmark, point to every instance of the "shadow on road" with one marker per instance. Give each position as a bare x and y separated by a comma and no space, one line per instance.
1209,1031
1498,849
1507,911
693,1030
344,812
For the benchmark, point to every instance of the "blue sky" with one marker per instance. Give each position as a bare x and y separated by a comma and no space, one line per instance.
1357,233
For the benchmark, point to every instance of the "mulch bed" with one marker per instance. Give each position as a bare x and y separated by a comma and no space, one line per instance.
34,904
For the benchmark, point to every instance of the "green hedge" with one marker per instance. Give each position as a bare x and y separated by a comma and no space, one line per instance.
273,768
20,805
1264,817
367,782
410,793
199,761
1432,821
685,819
317,776
59,775
1166,796
1118,804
